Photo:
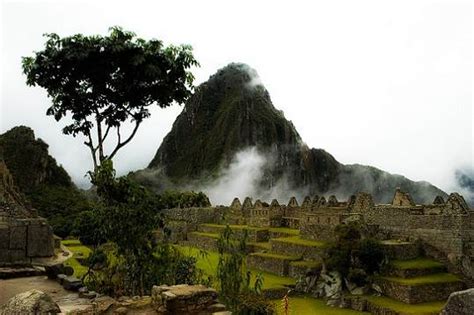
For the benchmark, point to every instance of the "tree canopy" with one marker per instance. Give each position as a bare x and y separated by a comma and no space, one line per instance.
102,82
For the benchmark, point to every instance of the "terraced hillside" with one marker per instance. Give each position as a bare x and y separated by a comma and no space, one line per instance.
412,285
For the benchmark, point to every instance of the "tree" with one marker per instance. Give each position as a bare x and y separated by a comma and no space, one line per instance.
102,82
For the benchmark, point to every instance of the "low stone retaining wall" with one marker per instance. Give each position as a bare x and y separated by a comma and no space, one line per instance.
401,250
201,241
254,235
297,270
318,232
279,266
413,294
292,249
415,272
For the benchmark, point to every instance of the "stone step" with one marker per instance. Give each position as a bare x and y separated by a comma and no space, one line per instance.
276,232
296,246
399,250
254,234
415,267
208,241
202,240
271,262
434,287
383,305
19,272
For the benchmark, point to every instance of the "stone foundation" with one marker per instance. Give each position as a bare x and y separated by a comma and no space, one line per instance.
24,239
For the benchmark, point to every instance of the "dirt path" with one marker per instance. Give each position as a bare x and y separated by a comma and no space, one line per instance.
66,300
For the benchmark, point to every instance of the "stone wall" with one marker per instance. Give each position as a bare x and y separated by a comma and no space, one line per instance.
413,294
24,239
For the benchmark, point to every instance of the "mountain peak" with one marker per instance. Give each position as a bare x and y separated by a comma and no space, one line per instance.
231,112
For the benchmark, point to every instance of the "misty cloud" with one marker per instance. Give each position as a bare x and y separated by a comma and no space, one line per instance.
240,179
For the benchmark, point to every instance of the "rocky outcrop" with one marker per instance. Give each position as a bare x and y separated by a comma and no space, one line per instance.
41,183
32,302
460,303
233,111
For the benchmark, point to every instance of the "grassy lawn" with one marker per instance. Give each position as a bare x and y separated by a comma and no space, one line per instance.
428,279
418,263
306,263
394,242
299,241
78,251
209,263
422,308
276,256
284,230
234,227
310,306
211,235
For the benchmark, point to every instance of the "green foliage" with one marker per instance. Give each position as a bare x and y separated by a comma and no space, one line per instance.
127,217
353,256
60,205
179,199
87,227
370,255
254,304
103,81
234,280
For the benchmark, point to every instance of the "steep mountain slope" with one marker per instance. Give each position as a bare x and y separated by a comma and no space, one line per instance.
45,185
232,111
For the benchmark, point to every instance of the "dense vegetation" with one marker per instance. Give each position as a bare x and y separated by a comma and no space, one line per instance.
355,256
235,281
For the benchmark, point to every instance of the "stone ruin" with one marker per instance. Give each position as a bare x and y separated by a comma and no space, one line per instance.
23,235
444,228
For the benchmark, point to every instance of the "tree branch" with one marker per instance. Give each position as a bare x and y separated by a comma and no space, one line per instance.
93,150
106,133
121,144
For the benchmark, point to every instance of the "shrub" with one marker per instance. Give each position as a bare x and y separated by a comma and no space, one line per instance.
353,256
370,255
254,304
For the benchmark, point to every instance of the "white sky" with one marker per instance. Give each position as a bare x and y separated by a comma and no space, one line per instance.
384,83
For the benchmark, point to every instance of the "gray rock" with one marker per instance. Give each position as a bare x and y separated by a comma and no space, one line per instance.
61,278
52,271
72,284
30,302
88,295
460,303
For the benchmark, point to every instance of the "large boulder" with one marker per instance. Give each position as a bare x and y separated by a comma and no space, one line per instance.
32,302
460,303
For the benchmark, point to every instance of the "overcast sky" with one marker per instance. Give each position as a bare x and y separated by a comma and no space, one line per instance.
384,83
